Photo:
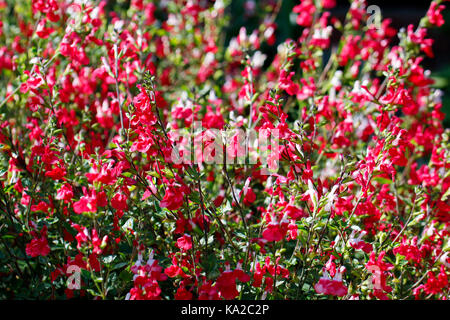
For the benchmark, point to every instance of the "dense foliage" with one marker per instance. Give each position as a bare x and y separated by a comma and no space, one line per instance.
121,147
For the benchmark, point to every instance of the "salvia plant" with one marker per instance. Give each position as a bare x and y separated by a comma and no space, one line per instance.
146,156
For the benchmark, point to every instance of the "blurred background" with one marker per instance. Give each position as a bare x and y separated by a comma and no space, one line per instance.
401,12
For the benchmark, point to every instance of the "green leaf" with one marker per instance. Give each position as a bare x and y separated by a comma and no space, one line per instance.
382,180
119,265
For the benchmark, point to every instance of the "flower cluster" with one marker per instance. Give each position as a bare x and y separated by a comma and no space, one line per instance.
348,199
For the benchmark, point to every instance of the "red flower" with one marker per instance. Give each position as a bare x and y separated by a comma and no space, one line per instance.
94,263
57,173
436,285
331,286
409,249
184,242
418,37
146,279
213,120
32,83
379,270
183,294
42,31
305,10
295,213
226,283
359,244
174,270
276,230
119,202
65,193
434,14
38,246
249,197
173,199
89,203
287,84
85,204
208,292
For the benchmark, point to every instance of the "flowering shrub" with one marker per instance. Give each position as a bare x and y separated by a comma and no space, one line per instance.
144,157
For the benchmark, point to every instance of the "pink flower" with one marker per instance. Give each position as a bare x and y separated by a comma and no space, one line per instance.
305,10
65,193
85,204
90,202
32,83
294,212
331,286
359,244
434,14
184,242
287,84
146,277
274,232
42,31
379,270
